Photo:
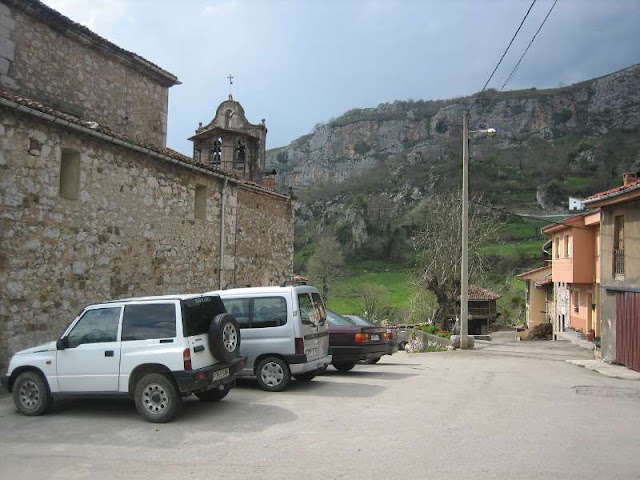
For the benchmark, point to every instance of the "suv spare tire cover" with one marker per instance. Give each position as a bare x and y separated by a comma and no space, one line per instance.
224,337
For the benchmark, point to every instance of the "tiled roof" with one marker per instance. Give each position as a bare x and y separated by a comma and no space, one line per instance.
535,270
614,191
479,293
31,106
68,27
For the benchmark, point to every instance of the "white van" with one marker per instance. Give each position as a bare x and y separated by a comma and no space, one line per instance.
284,333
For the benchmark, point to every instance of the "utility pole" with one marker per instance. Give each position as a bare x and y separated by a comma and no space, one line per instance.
464,268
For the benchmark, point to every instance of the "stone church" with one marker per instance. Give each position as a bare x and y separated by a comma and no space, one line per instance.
94,206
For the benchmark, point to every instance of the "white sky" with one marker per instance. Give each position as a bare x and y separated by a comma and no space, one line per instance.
299,62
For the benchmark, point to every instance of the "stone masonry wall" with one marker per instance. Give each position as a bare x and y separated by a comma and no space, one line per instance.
44,64
131,231
264,244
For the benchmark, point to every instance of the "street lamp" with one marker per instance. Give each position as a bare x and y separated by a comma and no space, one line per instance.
464,269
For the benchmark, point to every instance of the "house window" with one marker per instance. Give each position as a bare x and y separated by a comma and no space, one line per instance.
557,247
566,246
576,301
618,245
201,202
70,174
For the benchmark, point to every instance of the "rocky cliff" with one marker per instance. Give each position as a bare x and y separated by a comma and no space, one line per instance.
577,126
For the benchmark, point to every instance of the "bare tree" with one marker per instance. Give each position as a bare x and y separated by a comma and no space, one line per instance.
374,301
437,241
327,261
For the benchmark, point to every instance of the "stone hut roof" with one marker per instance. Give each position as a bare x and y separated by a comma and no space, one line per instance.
478,294
82,34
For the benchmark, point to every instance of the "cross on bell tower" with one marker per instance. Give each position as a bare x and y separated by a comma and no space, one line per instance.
230,77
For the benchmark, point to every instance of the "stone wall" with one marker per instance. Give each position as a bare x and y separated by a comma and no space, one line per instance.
84,78
264,246
132,230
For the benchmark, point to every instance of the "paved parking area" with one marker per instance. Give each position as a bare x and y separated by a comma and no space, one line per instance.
506,410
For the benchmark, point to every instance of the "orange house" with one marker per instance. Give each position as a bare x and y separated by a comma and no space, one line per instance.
575,264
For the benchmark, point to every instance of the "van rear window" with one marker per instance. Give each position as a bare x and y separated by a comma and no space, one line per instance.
197,314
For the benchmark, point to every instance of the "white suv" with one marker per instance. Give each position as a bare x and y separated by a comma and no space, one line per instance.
154,349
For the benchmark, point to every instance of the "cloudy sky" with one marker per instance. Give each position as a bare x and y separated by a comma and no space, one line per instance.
299,62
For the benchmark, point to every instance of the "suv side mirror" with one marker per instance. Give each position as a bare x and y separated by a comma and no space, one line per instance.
62,343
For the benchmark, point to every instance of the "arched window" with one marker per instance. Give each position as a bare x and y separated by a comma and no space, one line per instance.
216,153
241,154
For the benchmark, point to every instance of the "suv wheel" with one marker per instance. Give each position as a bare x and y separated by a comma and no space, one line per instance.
31,394
213,395
273,374
157,399
224,337
344,366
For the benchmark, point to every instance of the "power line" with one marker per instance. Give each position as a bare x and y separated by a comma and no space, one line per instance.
505,52
515,69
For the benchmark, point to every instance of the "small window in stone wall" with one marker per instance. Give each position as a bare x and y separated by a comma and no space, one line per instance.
70,174
201,202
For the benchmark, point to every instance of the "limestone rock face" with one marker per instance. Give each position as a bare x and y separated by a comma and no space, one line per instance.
423,130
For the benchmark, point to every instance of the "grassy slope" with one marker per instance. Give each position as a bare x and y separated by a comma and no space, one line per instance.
520,237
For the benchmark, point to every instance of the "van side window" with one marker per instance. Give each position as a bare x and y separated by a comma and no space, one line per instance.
144,322
258,312
240,308
307,314
269,312
321,315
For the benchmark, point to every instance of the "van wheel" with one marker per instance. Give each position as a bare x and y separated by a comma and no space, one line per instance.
213,395
305,377
344,367
31,394
224,338
273,374
157,398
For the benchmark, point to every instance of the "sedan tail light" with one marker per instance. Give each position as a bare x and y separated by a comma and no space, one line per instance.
385,337
362,337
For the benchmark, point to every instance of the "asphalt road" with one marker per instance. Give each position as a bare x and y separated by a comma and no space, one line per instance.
506,410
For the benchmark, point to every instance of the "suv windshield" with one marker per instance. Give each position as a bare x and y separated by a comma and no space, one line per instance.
197,314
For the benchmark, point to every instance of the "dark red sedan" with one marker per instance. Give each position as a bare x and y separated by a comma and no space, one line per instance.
349,343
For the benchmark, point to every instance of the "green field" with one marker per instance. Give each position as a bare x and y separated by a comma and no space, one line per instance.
519,247
343,291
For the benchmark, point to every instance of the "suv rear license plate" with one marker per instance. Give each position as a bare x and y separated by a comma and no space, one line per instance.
375,337
220,374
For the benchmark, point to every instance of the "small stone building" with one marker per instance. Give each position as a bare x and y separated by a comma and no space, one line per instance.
93,205
482,309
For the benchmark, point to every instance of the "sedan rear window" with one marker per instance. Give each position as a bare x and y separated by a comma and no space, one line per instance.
339,320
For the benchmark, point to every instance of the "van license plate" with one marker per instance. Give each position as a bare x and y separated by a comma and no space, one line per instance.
220,374
311,352
375,337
